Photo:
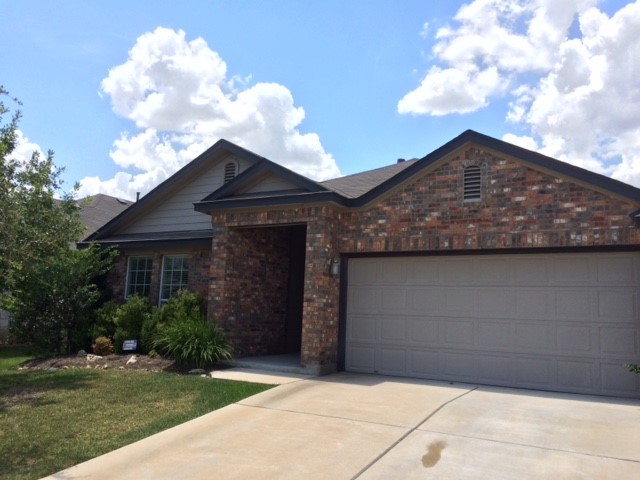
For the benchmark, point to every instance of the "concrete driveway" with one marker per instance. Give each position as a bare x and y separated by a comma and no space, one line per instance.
347,426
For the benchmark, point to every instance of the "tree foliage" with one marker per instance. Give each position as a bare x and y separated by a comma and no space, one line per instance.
34,224
53,303
46,285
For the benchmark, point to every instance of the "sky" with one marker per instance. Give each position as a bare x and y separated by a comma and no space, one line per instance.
126,93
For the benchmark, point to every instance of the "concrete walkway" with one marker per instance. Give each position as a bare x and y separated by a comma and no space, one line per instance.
348,426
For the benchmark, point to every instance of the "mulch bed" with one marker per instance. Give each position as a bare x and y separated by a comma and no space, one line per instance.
122,362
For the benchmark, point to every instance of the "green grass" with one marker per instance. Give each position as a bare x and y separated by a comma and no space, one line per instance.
50,421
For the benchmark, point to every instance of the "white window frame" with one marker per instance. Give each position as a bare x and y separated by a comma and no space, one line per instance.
174,286
148,271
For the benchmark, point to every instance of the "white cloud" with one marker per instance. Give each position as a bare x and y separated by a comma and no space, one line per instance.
25,149
181,100
576,92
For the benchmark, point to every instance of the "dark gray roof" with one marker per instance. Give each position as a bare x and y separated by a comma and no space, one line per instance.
353,186
96,210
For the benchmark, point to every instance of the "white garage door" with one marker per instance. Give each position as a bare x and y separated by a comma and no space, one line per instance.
563,322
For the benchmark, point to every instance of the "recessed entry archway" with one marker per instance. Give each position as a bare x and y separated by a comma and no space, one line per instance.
266,267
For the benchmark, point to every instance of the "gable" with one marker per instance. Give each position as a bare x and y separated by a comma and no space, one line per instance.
175,212
519,206
269,182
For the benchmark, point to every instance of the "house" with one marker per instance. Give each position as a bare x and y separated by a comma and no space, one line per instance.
482,262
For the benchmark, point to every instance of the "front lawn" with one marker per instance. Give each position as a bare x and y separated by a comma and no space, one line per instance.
50,421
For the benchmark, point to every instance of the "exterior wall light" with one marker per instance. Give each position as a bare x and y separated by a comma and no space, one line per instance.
335,268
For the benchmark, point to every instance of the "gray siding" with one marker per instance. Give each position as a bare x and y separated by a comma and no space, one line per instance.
175,212
270,183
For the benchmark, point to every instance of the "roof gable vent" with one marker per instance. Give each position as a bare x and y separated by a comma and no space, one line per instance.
471,183
230,171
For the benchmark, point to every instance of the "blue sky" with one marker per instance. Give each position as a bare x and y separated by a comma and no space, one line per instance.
125,93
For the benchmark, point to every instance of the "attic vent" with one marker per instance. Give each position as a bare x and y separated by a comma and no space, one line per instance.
471,183
230,171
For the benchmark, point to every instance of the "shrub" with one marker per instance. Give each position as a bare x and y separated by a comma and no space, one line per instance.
182,307
103,346
104,324
129,318
193,343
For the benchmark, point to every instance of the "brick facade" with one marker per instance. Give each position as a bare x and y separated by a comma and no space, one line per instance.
246,275
199,270
519,208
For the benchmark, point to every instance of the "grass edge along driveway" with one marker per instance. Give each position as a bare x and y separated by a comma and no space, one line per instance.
50,421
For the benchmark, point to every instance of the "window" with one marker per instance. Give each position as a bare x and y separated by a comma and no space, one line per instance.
139,276
175,275
230,171
471,183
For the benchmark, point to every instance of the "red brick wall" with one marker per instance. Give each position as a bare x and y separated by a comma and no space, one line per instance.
199,269
320,309
519,208
253,305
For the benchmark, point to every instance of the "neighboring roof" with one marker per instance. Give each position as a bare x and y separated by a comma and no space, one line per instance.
356,185
96,210
191,169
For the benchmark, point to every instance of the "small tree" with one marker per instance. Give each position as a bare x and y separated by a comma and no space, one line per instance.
45,285
53,303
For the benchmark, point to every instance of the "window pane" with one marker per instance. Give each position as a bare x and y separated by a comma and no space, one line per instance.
175,275
139,276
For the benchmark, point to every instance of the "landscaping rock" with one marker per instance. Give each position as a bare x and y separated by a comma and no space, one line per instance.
197,371
52,369
132,360
82,353
92,358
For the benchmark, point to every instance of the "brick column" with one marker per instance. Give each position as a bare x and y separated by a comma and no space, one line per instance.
321,295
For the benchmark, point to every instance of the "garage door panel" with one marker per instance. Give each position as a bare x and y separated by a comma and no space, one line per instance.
573,304
494,301
534,372
459,366
423,272
361,328
363,272
364,299
495,335
392,272
361,358
424,300
616,271
535,338
530,271
534,303
495,369
575,339
575,374
619,341
393,299
617,304
565,322
424,363
393,329
458,301
571,271
458,271
393,361
423,331
492,271
616,379
457,333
